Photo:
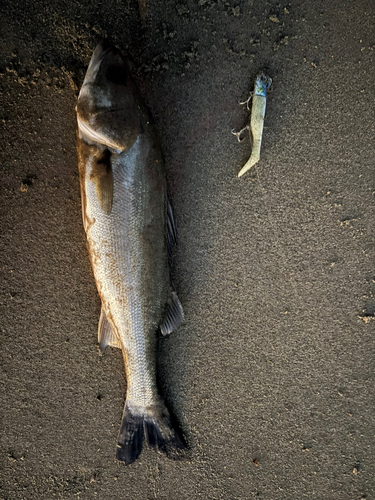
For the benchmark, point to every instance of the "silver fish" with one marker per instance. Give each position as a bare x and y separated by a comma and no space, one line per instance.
129,227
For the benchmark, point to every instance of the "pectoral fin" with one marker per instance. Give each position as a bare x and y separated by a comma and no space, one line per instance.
174,314
105,334
102,177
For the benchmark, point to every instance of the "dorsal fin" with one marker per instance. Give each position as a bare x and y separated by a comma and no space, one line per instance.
174,315
171,229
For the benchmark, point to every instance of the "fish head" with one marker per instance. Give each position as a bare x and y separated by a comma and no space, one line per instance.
108,109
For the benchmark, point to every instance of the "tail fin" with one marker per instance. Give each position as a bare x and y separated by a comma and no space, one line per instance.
130,439
155,422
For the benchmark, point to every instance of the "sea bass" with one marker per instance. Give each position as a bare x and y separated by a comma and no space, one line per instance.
130,228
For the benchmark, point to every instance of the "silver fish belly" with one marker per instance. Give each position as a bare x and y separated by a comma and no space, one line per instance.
129,225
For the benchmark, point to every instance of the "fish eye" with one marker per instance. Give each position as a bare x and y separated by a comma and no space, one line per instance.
116,74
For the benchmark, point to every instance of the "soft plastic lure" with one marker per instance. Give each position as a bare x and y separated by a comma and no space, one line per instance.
258,110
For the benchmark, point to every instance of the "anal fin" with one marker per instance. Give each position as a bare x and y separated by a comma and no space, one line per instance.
105,333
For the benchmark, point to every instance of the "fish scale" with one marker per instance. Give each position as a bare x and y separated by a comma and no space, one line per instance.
116,234
126,214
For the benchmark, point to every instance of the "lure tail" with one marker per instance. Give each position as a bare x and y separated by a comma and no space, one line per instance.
155,423
253,160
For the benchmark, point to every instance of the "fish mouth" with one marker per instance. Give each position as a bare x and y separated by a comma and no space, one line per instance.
108,112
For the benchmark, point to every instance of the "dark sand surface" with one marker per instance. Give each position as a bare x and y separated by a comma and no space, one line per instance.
272,374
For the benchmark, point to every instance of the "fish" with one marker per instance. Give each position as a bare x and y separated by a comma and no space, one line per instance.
258,111
130,232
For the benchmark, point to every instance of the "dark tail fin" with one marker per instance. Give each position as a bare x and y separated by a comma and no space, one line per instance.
130,439
160,434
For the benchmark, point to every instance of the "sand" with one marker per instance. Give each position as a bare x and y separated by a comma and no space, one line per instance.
271,376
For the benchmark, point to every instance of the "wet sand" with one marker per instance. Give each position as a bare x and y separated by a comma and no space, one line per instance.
272,374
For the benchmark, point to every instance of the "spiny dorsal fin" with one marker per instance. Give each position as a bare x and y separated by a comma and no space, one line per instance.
174,315
105,334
